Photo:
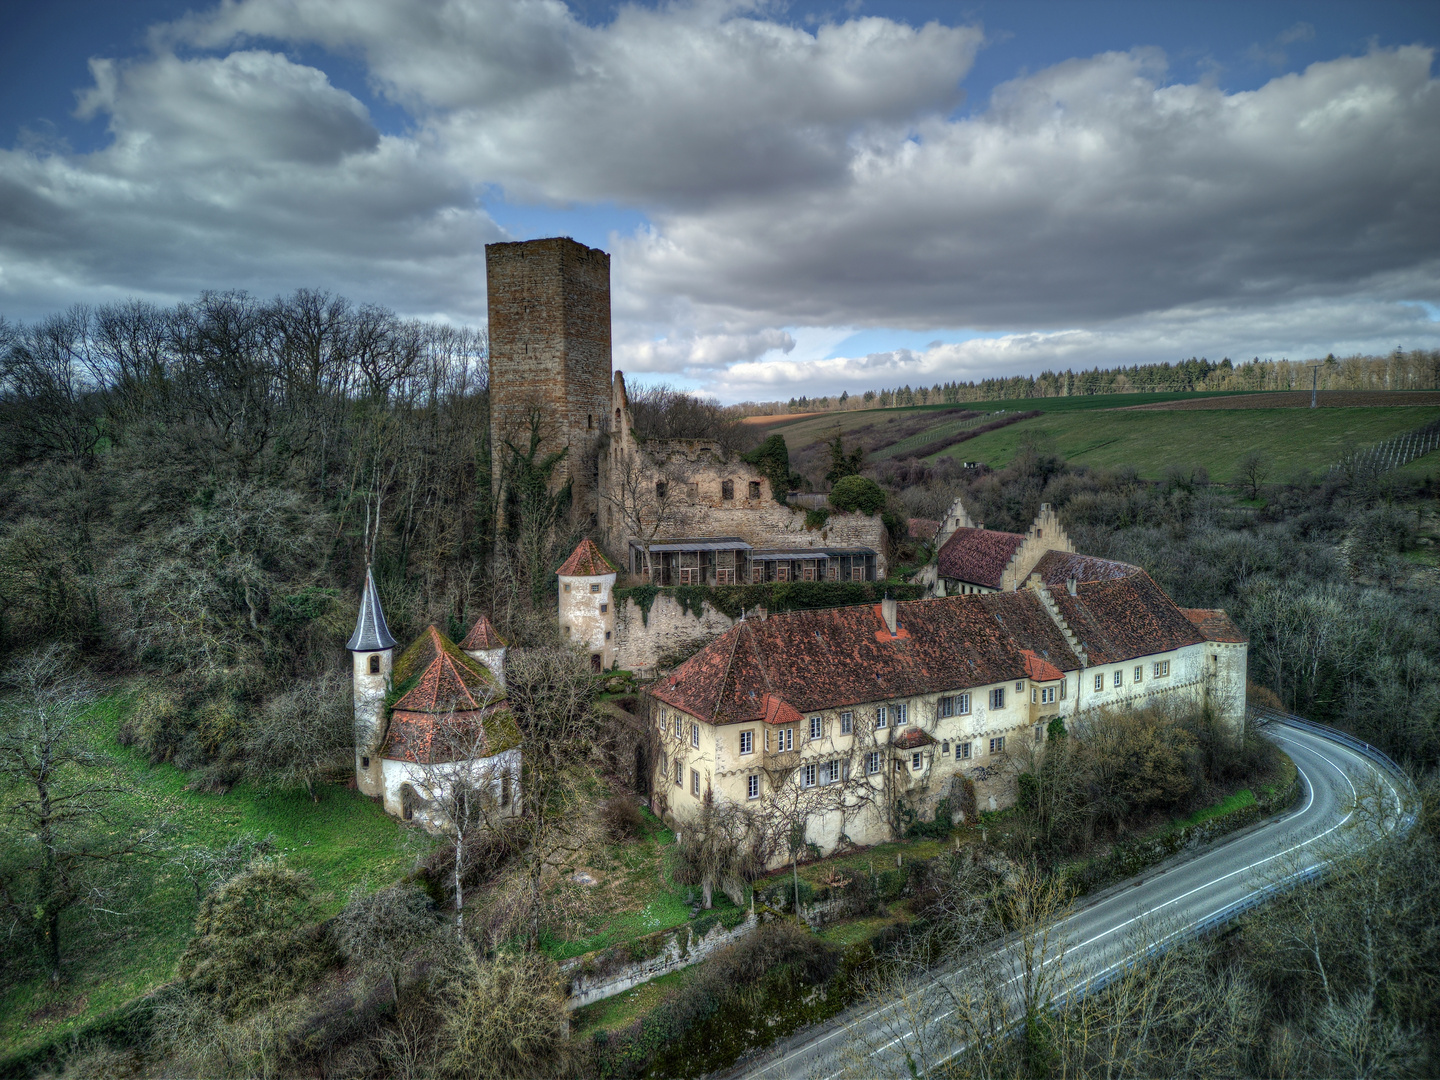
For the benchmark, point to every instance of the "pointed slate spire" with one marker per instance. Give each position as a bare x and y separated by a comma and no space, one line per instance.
371,633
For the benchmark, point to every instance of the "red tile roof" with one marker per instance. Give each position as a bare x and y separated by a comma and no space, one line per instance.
1056,567
482,636
429,738
845,656
913,739
923,528
587,560
1215,625
1121,619
978,556
779,711
434,676
1040,670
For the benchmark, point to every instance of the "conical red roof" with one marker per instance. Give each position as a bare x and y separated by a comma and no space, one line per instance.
482,636
587,560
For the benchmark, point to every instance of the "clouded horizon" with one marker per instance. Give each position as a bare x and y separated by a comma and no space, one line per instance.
793,205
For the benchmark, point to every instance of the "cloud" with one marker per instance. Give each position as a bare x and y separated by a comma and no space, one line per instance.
797,184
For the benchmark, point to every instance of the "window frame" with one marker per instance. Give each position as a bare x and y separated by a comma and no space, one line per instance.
695,734
902,713
809,775
1119,678
881,718
695,782
962,707
752,786
997,699
595,586
817,728
917,761
747,742
997,744
962,751
847,723
1100,683
872,763
1139,673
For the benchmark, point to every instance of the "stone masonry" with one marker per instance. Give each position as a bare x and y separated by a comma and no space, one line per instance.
549,303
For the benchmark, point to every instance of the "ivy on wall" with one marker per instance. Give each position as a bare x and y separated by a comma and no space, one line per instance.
731,600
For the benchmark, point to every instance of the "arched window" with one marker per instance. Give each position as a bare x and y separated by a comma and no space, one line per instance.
408,802
617,418
374,665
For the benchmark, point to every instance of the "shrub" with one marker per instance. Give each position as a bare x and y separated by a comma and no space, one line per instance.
503,1017
389,927
857,493
255,941
622,819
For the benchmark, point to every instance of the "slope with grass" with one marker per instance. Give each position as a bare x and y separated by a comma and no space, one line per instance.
343,840
1217,439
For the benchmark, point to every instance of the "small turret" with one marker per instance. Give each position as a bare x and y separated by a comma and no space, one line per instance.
373,651
587,603
484,644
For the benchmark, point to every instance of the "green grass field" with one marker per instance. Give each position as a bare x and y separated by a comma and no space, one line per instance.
343,841
1219,439
1099,430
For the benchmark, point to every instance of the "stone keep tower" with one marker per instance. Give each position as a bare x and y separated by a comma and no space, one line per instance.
372,651
549,304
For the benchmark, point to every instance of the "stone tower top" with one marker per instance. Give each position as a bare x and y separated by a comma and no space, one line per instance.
549,304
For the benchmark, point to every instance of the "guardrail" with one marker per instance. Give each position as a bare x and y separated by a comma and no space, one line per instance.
1360,746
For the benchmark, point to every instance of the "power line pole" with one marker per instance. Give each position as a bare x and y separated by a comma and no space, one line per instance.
1314,384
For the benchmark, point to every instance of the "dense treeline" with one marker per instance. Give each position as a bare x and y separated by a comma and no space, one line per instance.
198,488
1418,369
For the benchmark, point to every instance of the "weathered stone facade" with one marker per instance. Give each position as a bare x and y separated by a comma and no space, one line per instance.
549,306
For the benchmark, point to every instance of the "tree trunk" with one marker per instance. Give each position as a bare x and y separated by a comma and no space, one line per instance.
459,892
707,890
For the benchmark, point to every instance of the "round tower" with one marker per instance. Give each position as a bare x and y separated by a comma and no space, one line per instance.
587,603
485,644
372,651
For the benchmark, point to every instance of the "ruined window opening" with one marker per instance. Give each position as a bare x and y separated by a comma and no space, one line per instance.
374,665
754,489
589,421
727,489
407,803
505,790
617,418
660,488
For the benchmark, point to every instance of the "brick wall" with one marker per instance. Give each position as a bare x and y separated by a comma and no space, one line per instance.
549,305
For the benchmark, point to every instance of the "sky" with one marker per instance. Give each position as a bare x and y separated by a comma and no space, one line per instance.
799,198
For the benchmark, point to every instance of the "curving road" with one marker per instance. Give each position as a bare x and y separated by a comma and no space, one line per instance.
1174,899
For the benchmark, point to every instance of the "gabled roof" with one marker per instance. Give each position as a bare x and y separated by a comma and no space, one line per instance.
1215,625
1123,618
779,711
587,560
371,634
483,635
1057,567
434,676
978,556
834,657
922,528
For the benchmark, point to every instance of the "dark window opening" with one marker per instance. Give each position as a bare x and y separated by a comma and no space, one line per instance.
660,488
594,661
589,421
727,489
754,489
364,762
374,665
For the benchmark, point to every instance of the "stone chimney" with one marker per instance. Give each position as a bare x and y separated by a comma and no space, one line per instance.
980,526
1070,583
760,611
891,614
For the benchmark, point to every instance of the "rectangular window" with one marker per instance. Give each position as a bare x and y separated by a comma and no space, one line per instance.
962,706
607,632
997,745
679,767
1162,668
604,608
1139,672
747,742
727,489
832,771
1034,695
881,720
902,714
962,751
1019,688
679,727
945,747
664,764
807,776
872,762
997,698
1039,733
567,586
694,734
917,761
1047,695
1062,689
1119,679
847,723
663,718
595,587
754,489
725,575
947,706
695,782
752,787
786,740
1099,682
815,727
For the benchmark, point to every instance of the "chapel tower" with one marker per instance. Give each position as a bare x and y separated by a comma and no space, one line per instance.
372,651
549,305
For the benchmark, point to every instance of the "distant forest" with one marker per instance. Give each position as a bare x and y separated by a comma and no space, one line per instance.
1417,369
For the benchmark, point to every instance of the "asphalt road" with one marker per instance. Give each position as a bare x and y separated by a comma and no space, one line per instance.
1176,898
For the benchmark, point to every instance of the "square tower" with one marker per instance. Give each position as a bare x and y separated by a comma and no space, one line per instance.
549,304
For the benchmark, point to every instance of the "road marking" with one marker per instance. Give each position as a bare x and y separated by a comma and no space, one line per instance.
1295,818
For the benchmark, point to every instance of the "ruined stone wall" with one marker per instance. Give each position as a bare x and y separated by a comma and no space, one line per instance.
667,633
549,306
